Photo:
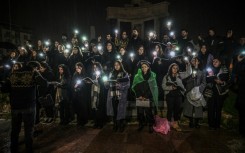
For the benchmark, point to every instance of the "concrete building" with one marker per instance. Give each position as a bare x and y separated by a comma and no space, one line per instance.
139,14
15,34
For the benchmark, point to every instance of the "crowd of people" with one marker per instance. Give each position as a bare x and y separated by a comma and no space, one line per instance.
97,79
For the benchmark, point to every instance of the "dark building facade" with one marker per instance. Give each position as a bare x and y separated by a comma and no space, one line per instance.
139,14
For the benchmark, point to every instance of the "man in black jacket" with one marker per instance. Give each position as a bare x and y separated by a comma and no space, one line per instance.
22,86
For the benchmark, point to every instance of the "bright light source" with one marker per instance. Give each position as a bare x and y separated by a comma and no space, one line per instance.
47,43
194,73
150,34
209,69
66,51
131,54
97,73
169,23
186,58
99,47
172,53
171,33
105,78
7,66
76,31
78,82
41,54
118,56
84,38
155,53
176,48
68,46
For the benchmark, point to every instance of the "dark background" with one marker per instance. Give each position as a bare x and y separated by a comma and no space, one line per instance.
51,18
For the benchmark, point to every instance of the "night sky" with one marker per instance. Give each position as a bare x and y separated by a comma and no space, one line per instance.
51,18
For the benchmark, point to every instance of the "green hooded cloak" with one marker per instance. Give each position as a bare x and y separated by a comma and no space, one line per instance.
152,84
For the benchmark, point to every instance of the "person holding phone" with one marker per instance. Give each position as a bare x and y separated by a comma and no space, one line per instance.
118,85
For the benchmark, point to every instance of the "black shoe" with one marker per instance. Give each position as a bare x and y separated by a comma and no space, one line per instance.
61,123
121,129
37,133
150,129
122,125
197,126
95,126
115,127
66,123
141,127
191,125
100,127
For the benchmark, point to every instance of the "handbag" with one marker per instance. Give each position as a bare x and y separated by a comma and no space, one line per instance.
46,100
195,97
142,103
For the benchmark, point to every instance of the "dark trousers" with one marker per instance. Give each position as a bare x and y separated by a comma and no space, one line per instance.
115,102
215,105
242,122
174,107
145,115
98,116
28,117
240,106
49,111
80,108
65,112
37,118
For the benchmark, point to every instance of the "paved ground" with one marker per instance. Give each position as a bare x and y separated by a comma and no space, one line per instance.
71,139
